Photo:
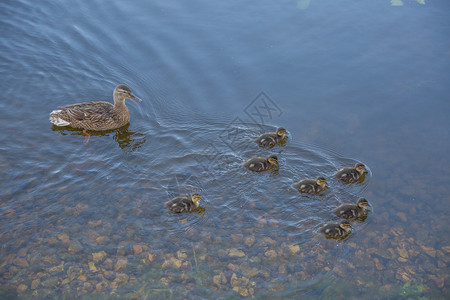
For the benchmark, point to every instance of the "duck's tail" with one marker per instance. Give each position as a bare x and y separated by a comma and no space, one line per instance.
56,119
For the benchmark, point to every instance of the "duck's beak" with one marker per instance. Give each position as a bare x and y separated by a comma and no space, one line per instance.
135,98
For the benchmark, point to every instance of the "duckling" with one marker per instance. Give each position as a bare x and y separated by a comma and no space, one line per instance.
351,174
183,204
311,186
269,139
96,115
336,230
259,164
351,211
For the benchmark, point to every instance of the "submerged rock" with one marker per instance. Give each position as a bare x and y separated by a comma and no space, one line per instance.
172,262
92,267
121,264
271,254
234,252
64,238
98,256
294,248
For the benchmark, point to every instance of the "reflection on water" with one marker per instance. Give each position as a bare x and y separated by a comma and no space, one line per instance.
125,138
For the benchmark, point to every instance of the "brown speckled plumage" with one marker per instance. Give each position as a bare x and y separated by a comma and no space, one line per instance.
336,230
260,164
351,211
351,174
311,186
183,204
270,139
96,115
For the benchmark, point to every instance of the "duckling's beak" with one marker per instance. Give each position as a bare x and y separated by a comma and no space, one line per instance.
135,98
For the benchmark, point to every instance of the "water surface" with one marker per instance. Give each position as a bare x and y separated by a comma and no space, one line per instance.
365,81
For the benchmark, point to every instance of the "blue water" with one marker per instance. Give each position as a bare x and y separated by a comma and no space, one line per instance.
350,81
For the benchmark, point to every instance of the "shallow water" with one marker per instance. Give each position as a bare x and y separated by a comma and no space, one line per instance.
350,81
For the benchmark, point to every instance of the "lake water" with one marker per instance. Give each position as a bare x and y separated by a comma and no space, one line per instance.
350,80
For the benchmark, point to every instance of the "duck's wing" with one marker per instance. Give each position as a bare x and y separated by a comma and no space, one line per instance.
344,210
178,204
266,140
97,111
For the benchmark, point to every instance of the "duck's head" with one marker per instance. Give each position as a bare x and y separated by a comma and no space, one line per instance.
196,198
360,167
362,202
281,131
122,92
321,181
344,224
272,159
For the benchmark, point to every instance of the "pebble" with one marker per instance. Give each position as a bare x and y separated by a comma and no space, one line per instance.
21,262
121,264
64,238
271,254
92,267
430,251
237,237
35,283
94,223
402,216
101,240
378,264
249,240
137,249
172,262
234,252
233,267
98,256
402,252
294,248
121,277
151,257
181,255
22,288
75,246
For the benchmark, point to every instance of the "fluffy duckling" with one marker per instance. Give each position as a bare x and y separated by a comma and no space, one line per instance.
269,139
183,204
336,230
259,164
351,174
352,211
311,186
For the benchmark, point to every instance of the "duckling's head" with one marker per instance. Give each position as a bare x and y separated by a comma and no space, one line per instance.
321,181
122,92
344,224
360,167
281,131
362,202
273,159
196,198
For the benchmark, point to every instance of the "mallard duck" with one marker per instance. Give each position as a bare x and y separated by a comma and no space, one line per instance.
259,164
183,204
96,115
311,186
336,230
351,211
269,139
351,174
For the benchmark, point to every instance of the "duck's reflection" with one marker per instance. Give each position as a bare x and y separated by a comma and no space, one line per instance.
125,138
